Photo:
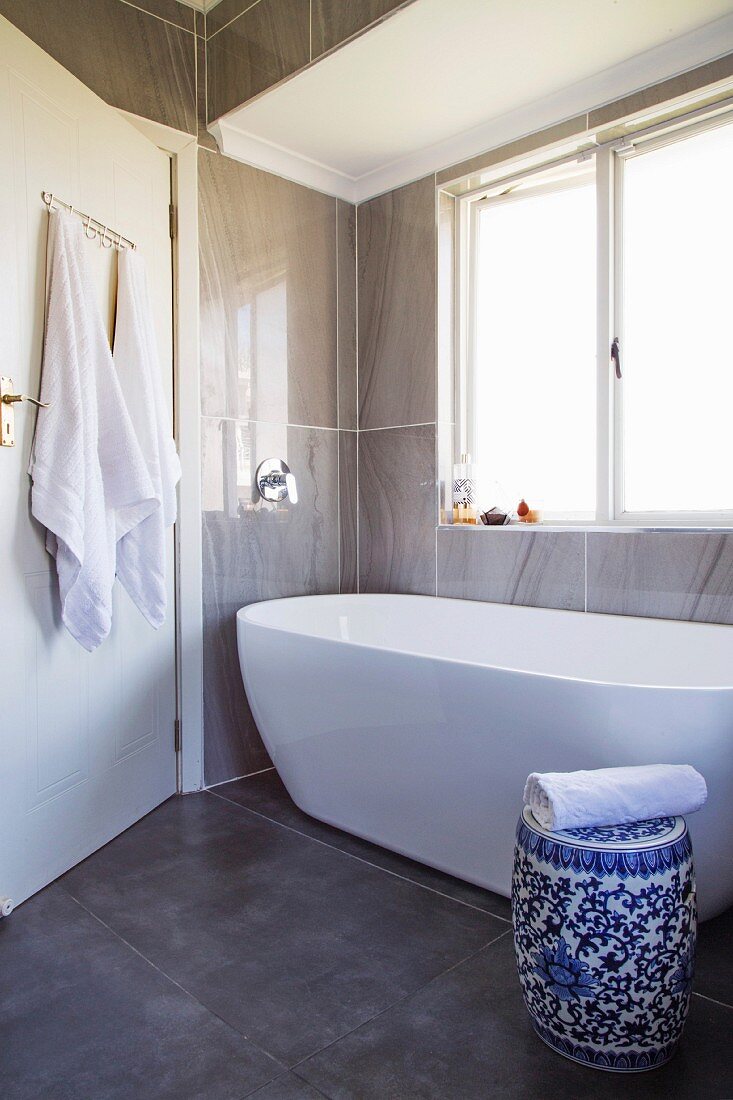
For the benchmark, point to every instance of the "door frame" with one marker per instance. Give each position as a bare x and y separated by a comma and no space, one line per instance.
183,151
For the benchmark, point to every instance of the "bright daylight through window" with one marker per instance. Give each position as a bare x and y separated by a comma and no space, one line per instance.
544,420
678,338
534,371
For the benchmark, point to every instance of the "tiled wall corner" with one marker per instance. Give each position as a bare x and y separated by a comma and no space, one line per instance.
397,307
143,61
268,367
222,13
205,139
662,574
252,551
346,253
397,510
348,509
269,41
533,568
254,44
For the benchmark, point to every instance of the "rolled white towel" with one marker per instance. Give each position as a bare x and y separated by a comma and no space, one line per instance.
613,796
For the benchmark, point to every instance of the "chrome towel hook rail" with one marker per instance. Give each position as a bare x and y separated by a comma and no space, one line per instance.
92,227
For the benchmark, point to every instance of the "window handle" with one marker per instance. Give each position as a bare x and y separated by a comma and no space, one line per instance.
616,356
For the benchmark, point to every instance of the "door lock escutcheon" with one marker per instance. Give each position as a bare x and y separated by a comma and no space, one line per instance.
8,400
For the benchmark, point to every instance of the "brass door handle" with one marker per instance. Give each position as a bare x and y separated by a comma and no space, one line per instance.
8,400
11,398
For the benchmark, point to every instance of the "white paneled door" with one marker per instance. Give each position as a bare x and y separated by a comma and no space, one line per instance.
86,740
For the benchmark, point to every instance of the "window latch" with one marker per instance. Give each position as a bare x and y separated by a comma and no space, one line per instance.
616,356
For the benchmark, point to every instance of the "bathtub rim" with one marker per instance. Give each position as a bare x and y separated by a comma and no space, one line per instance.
243,617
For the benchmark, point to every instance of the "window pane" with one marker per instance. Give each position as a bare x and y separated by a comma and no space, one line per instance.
677,315
535,365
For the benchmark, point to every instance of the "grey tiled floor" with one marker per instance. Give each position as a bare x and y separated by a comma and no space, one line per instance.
229,946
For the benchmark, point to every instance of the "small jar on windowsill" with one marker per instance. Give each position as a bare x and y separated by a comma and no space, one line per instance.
525,514
464,492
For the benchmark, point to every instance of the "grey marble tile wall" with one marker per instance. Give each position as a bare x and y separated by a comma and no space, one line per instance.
397,510
684,575
396,293
254,44
270,340
165,61
143,61
183,15
662,574
397,307
221,14
534,568
268,296
253,550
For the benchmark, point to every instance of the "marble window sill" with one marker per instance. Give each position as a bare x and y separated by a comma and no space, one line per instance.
616,529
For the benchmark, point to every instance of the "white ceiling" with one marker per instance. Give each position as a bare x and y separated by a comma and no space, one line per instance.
442,80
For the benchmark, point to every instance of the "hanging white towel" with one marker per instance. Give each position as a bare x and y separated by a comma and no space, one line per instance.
141,554
90,483
613,796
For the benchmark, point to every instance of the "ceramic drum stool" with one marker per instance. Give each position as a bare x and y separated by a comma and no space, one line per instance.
605,924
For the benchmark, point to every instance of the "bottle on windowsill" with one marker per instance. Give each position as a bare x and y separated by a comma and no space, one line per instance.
464,491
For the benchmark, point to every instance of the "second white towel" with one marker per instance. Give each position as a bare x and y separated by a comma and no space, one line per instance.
613,796
141,554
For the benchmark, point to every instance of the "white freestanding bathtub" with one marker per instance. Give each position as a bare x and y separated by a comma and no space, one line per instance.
413,721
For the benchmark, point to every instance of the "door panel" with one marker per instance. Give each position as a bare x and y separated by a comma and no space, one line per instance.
86,740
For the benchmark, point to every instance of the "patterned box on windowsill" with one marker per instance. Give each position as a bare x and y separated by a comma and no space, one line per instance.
605,923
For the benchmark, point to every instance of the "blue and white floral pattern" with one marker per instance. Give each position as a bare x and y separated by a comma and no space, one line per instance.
610,834
640,862
605,944
566,977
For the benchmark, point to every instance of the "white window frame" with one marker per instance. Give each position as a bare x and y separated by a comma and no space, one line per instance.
610,159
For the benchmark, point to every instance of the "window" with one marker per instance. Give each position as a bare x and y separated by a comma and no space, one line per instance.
630,243
535,344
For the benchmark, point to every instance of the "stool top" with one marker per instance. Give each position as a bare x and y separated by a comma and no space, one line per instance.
635,836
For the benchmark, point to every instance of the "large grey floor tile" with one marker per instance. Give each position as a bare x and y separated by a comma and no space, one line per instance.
83,1016
287,1087
266,795
467,1035
291,942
